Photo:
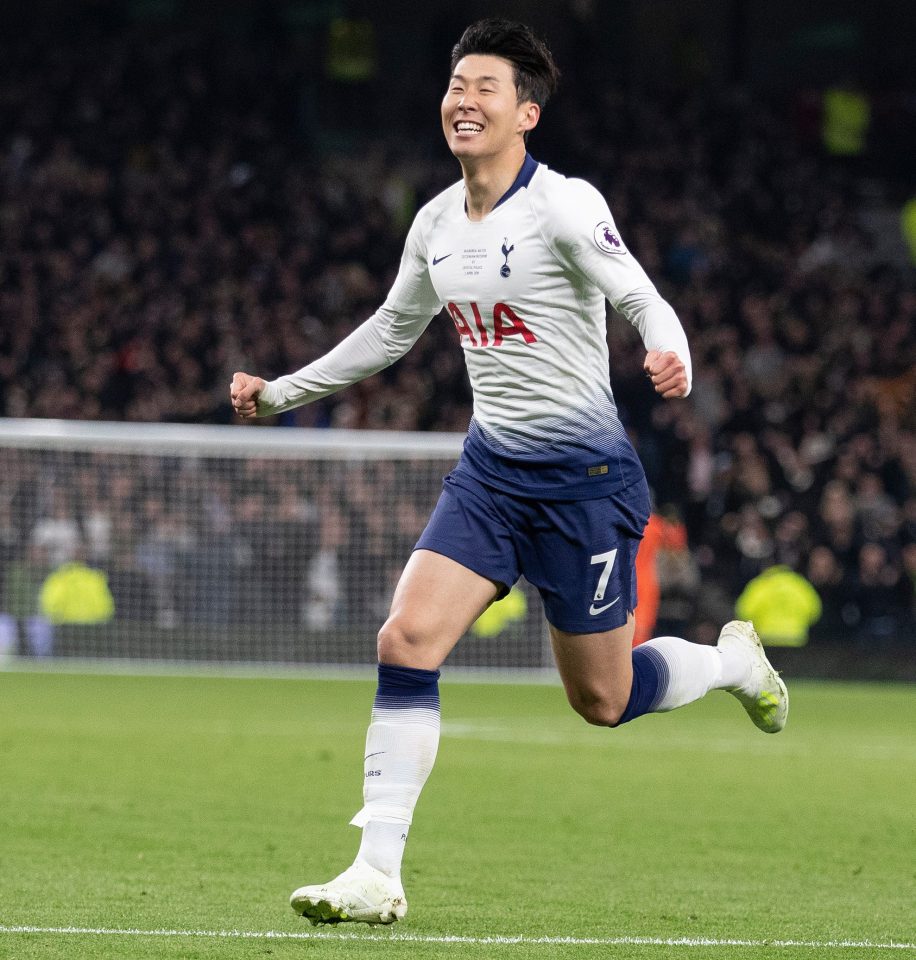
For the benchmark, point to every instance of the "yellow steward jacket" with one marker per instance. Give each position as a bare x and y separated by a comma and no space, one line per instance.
782,605
75,593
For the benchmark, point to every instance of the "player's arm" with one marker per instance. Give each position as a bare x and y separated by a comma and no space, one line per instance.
385,337
667,362
586,239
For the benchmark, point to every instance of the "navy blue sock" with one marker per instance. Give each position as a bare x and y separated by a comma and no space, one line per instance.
650,681
400,687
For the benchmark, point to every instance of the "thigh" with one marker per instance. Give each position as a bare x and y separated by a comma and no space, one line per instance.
581,556
435,603
596,668
464,559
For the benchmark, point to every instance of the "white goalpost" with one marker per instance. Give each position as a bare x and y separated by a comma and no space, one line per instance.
225,544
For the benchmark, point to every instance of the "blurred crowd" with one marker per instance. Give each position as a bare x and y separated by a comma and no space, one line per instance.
167,216
195,542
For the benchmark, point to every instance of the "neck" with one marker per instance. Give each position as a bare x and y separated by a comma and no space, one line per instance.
487,180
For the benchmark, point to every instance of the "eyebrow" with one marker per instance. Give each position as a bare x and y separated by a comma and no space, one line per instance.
492,79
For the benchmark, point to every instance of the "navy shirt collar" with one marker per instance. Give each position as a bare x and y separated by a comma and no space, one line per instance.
522,180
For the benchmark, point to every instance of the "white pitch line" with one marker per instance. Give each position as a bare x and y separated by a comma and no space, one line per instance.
483,941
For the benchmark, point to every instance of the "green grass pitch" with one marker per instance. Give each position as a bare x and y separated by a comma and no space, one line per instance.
185,804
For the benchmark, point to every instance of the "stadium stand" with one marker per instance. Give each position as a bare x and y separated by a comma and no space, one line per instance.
167,217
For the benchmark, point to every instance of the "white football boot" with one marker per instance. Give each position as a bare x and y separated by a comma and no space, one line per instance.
764,695
361,894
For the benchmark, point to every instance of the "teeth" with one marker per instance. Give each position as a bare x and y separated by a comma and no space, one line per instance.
469,127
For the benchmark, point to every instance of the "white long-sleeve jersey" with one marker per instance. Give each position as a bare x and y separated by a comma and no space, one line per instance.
525,288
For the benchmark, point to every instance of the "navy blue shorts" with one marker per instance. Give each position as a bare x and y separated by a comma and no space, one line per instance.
580,555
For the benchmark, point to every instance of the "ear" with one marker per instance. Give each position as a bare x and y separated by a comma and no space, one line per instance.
529,114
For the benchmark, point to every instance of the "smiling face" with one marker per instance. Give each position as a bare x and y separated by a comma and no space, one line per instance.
481,115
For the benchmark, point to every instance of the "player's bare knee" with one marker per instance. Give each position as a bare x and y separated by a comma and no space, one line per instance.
401,646
393,642
598,711
603,715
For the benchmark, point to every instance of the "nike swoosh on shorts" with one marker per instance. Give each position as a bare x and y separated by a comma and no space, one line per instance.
594,611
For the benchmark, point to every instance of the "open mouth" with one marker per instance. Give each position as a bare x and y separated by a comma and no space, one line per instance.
468,127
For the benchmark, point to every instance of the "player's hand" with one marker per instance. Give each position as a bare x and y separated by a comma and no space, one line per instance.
667,373
244,392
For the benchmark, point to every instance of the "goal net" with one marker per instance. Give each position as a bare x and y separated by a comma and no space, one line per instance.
233,544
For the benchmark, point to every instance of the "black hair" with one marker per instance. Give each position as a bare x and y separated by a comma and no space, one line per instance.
536,74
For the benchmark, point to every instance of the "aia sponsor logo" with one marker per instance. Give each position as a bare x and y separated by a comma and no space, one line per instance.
489,332
607,239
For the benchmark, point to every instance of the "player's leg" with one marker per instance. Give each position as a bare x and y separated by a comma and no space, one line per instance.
435,603
608,683
437,599
596,670
583,563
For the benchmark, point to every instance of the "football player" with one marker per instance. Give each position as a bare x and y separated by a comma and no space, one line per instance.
548,486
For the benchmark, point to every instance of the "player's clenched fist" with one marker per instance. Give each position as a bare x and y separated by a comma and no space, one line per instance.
244,392
667,373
